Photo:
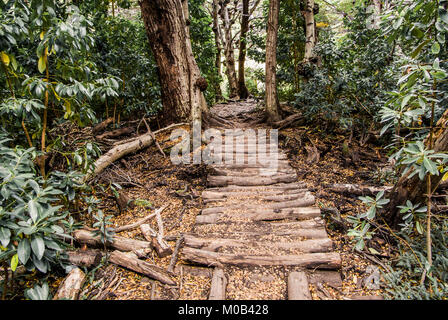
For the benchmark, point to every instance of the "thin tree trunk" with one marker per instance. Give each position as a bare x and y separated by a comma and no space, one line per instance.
310,31
216,31
228,50
181,83
242,89
272,103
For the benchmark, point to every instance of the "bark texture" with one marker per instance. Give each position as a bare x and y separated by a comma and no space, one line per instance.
242,89
310,31
166,23
228,40
272,103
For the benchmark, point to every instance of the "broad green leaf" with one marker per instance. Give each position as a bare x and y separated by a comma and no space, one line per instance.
38,246
32,209
5,236
24,250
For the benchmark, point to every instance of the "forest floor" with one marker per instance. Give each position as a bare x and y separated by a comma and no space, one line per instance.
152,181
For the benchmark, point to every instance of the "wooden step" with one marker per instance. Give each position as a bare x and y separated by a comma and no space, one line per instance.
267,197
262,215
216,181
275,187
306,200
330,260
299,233
214,244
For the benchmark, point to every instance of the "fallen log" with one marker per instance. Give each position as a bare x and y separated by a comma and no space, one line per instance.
120,151
330,260
102,125
130,262
213,244
84,258
115,133
119,243
356,189
218,286
298,288
71,286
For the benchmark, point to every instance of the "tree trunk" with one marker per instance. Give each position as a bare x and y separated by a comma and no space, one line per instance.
216,31
414,189
228,49
166,23
242,89
272,103
310,31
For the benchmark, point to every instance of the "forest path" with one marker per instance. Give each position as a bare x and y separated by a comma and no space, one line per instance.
260,229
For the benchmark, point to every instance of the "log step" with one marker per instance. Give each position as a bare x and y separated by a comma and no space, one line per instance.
275,187
260,215
329,260
276,207
211,244
217,181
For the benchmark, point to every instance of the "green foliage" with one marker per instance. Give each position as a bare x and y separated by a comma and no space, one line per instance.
357,69
361,223
30,230
403,280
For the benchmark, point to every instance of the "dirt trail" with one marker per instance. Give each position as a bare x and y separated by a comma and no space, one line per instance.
260,229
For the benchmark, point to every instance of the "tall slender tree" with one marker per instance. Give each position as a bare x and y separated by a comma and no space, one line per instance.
272,103
245,20
228,19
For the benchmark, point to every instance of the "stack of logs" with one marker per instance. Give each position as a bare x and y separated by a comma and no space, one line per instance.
126,252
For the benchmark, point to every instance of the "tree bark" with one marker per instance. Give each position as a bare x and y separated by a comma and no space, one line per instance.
272,103
228,49
216,31
310,31
166,23
414,189
242,89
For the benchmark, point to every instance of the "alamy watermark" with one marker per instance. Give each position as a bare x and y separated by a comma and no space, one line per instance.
238,147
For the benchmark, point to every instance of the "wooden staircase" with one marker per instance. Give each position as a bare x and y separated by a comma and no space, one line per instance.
252,221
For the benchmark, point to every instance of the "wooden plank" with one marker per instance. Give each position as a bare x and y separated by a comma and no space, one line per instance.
263,215
298,288
218,286
329,260
214,244
306,201
216,181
